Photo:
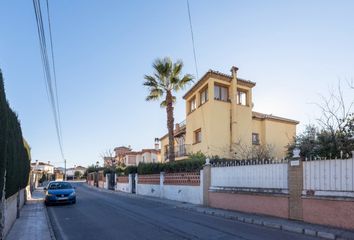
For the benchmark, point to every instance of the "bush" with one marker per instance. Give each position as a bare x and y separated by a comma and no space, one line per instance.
108,170
130,169
150,168
119,171
194,163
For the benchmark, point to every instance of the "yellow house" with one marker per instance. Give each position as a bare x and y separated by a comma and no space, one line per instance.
220,121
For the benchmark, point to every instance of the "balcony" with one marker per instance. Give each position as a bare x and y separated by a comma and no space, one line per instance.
180,128
180,151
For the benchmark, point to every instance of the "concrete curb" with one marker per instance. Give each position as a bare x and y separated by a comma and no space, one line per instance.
270,224
245,219
50,227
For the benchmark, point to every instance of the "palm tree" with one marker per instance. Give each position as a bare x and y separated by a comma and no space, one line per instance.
165,81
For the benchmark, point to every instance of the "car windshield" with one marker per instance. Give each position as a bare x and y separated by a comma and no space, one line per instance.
60,185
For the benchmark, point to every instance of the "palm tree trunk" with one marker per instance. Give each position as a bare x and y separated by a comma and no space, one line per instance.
170,126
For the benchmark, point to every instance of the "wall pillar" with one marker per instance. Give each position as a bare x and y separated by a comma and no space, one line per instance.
130,183
295,182
206,182
136,183
162,178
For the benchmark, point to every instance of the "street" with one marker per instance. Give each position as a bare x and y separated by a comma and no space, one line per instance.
100,215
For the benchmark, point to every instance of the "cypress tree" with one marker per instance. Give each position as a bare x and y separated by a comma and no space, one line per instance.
3,133
3,148
14,161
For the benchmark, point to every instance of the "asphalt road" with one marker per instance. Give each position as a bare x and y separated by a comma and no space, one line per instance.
100,215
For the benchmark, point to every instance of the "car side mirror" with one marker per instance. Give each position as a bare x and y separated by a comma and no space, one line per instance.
45,189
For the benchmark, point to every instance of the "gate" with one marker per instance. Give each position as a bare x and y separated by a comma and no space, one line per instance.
133,183
111,181
95,179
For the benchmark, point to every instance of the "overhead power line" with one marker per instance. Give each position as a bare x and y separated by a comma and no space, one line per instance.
54,71
51,88
193,43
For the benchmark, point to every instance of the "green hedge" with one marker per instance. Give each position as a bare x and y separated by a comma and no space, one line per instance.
194,163
14,160
130,169
3,133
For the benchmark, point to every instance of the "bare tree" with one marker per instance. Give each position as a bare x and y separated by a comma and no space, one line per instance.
108,158
334,110
247,151
333,135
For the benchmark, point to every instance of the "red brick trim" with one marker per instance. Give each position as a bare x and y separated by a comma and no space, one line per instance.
185,178
123,179
149,179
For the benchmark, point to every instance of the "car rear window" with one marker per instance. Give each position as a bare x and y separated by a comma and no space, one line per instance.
60,185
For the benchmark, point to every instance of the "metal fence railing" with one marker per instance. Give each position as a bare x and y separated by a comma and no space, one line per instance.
265,174
329,176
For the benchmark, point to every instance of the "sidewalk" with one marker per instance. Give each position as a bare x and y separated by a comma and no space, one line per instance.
266,221
33,222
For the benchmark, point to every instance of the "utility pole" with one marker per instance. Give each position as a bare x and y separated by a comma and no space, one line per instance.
64,169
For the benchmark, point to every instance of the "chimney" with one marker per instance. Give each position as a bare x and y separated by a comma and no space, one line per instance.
157,144
36,162
48,162
234,72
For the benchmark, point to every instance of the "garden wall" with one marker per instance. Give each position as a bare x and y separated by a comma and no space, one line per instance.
11,209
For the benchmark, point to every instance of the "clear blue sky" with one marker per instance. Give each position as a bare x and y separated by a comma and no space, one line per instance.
294,50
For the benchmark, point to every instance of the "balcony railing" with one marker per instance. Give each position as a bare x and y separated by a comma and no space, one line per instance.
182,124
180,151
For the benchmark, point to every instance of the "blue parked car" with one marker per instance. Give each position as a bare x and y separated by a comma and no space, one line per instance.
59,192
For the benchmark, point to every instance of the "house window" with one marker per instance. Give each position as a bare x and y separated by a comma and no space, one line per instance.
203,96
192,104
221,93
241,97
198,136
255,138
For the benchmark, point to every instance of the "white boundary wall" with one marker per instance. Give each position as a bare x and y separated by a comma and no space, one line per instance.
334,177
11,209
273,176
152,190
125,187
183,193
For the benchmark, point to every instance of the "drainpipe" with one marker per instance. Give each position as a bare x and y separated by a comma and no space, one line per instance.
233,106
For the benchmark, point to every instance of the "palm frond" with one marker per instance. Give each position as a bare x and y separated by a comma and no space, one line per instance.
150,81
166,77
187,79
152,98
177,68
184,82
